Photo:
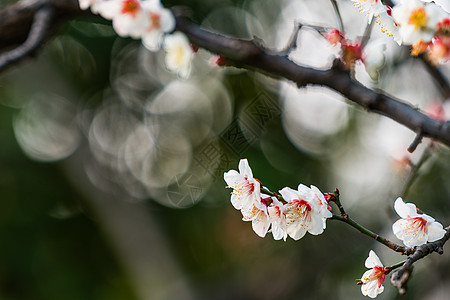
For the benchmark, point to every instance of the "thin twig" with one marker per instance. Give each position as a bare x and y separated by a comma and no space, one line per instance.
413,174
391,245
417,140
441,80
246,54
366,35
292,43
338,15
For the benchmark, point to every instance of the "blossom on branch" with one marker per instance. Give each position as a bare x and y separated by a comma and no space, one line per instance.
415,228
179,54
277,219
246,189
372,280
417,20
302,212
259,216
160,21
128,16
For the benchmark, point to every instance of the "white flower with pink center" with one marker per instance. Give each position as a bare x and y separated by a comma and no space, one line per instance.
259,216
179,54
372,280
160,21
415,229
128,16
417,20
246,189
324,208
277,219
302,212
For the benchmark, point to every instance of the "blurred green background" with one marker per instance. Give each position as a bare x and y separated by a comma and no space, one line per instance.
111,168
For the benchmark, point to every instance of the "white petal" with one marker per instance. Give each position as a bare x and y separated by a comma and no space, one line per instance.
372,260
233,178
288,194
316,226
152,40
261,225
296,231
435,231
244,168
405,210
167,21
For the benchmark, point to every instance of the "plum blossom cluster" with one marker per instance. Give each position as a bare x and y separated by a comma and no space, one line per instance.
372,56
294,212
423,24
149,21
414,228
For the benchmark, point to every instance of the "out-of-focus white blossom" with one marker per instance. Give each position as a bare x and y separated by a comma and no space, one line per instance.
374,57
179,54
417,20
128,16
160,21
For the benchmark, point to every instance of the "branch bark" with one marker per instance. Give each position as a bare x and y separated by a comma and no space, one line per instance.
247,54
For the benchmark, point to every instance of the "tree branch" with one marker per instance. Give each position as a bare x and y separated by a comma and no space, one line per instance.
36,37
245,53
400,278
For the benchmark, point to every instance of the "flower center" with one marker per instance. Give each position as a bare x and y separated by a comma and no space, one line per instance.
130,7
377,273
418,18
419,224
155,20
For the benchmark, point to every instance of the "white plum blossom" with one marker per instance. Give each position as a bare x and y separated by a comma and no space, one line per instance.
179,54
128,16
277,219
372,280
417,20
324,208
160,21
302,212
415,229
246,189
259,216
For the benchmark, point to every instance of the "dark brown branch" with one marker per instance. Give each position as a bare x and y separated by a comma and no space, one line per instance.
441,80
36,37
400,278
245,53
